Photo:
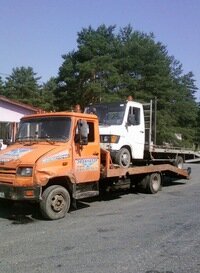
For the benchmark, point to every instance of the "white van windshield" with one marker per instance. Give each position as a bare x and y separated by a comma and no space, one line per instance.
108,113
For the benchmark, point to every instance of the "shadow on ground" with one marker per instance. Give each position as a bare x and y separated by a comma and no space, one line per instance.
19,212
25,212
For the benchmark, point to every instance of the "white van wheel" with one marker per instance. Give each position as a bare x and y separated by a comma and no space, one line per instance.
123,158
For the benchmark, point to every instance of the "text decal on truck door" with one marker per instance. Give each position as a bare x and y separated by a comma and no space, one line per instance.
85,164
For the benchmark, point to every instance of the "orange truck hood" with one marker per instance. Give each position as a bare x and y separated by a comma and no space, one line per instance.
18,154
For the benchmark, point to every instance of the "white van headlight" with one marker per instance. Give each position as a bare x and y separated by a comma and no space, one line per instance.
109,138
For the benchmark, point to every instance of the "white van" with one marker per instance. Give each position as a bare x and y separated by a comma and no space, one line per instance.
122,130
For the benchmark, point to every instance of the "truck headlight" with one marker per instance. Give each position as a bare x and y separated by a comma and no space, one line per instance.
25,171
109,138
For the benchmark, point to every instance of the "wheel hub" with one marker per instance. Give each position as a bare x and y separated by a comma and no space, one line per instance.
57,203
125,159
155,184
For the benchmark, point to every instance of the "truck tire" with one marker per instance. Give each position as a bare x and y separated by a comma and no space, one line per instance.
55,202
179,162
123,158
153,183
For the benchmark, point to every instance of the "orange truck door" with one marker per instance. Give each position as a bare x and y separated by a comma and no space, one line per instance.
86,158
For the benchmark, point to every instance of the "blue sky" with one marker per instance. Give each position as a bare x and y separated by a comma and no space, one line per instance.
37,33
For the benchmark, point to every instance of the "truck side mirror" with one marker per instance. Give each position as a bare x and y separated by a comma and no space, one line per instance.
82,137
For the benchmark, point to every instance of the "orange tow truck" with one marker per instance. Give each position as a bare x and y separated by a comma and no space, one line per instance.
56,159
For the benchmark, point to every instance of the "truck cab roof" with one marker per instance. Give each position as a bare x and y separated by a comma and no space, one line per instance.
60,114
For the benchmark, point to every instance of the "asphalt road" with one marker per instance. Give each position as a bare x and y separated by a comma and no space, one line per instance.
129,233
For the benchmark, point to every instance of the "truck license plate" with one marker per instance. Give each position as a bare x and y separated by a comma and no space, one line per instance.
2,195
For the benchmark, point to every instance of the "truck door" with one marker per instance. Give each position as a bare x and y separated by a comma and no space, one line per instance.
136,132
86,153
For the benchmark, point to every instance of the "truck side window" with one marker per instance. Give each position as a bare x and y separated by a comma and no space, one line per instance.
90,132
81,128
134,116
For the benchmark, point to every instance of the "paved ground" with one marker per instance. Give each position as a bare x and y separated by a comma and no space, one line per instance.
130,233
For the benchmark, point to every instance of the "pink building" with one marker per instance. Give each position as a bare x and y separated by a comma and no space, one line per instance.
10,115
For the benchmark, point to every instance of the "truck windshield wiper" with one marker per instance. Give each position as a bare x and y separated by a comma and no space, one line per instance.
32,140
49,139
26,138
52,139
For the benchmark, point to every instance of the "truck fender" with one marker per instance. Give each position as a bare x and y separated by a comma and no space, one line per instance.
65,181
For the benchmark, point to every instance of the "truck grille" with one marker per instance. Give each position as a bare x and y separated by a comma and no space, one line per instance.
7,175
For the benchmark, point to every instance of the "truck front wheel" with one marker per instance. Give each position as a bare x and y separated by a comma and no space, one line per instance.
123,158
55,202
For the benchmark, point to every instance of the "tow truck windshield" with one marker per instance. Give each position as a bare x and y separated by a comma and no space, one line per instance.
51,128
108,113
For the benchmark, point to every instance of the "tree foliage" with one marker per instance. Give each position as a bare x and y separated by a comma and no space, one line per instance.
197,131
47,97
108,66
2,89
22,85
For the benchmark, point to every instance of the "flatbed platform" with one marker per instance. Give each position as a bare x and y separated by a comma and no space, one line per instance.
138,170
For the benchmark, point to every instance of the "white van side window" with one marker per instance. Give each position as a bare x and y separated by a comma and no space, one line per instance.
134,116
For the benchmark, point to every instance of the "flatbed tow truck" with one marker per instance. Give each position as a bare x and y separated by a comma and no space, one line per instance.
57,159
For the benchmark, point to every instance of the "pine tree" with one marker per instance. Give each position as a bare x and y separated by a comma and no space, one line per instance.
22,85
109,66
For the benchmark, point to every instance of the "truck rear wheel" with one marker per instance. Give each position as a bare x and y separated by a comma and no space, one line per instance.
153,183
179,162
55,202
123,158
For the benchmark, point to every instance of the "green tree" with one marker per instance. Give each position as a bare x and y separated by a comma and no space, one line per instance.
22,85
47,95
108,66
197,132
2,87
88,74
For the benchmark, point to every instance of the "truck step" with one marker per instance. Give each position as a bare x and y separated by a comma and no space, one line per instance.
86,194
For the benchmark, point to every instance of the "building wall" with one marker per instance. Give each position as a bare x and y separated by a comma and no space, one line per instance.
12,113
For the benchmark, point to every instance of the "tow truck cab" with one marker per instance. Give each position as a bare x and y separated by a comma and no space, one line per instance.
50,149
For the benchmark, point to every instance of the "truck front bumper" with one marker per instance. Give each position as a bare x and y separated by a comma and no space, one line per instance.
20,193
